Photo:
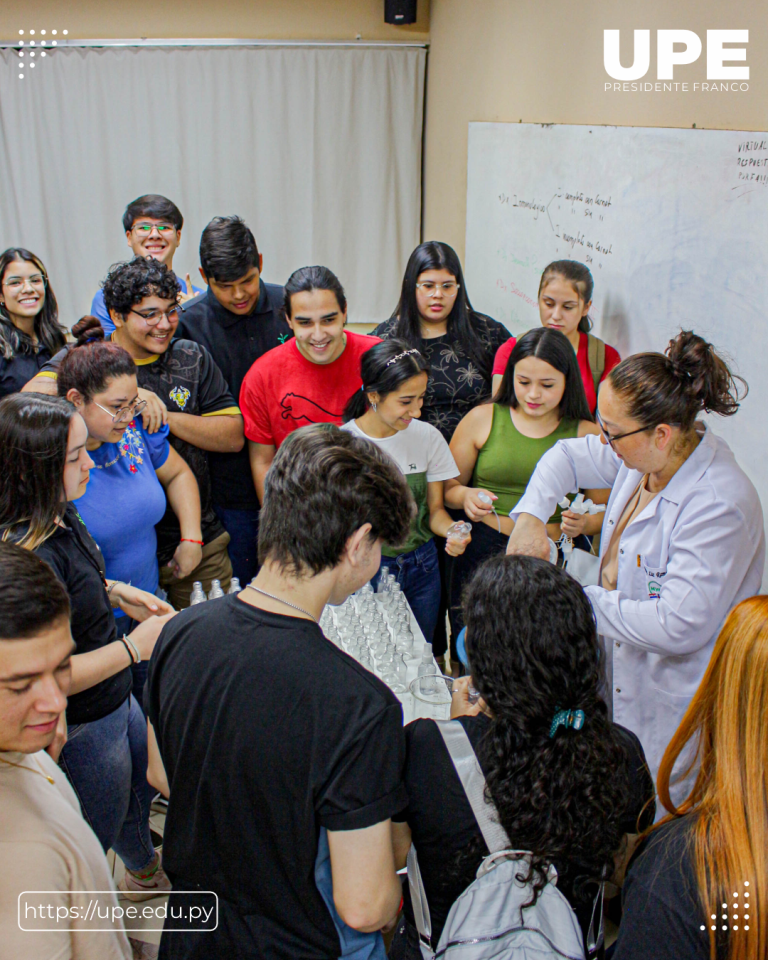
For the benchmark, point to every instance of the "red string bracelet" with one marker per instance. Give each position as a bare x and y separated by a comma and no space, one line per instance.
200,543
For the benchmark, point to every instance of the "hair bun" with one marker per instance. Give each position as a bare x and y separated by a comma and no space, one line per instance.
703,375
86,329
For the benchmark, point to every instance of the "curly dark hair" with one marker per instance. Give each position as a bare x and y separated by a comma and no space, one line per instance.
533,650
128,283
322,486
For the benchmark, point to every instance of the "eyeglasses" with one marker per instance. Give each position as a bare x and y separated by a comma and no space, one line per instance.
124,414
16,283
144,229
450,288
153,317
619,436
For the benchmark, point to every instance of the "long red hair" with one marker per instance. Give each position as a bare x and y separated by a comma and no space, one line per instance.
727,722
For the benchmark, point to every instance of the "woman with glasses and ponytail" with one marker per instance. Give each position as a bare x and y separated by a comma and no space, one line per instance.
682,541
134,471
30,333
46,467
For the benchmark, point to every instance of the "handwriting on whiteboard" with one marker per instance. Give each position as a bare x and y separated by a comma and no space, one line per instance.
562,206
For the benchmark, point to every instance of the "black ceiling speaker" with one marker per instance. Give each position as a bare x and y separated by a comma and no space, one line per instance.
399,11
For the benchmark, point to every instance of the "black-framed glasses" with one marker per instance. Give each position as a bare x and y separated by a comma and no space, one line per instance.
153,317
619,436
124,414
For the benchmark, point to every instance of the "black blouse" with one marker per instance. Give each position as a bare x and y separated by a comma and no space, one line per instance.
455,385
20,369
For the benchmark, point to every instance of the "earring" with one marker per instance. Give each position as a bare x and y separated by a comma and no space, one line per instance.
373,407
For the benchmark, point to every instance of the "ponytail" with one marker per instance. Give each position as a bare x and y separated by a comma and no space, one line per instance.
580,278
676,387
383,369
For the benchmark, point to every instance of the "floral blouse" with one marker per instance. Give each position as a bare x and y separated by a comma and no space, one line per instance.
455,383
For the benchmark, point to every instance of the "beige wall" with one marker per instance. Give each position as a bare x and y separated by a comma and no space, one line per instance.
254,19
511,60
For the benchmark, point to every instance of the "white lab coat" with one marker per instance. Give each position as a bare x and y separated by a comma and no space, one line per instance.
695,551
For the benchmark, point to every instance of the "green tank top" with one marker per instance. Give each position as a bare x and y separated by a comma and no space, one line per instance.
507,460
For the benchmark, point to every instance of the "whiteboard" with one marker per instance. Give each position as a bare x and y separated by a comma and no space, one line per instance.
673,224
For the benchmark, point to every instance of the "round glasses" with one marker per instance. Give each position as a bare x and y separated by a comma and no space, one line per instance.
153,317
124,414
450,288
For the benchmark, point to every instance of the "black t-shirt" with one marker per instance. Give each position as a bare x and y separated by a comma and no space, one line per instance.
445,833
187,380
455,385
78,563
21,368
235,343
268,732
663,914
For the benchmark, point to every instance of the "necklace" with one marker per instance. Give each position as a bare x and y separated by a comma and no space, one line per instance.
280,600
31,769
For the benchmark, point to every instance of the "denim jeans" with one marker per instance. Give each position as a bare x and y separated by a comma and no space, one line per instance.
418,574
243,529
106,763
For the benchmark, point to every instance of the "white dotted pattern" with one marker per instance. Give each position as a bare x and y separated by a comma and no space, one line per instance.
42,43
734,916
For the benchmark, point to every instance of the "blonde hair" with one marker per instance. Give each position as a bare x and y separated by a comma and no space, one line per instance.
728,721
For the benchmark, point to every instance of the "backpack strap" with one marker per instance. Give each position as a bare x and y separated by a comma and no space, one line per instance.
596,359
419,904
473,780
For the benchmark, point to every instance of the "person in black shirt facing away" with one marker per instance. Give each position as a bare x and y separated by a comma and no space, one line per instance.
697,888
237,320
567,794
30,332
279,751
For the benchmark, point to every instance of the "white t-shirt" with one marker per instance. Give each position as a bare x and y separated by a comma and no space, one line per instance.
46,845
423,456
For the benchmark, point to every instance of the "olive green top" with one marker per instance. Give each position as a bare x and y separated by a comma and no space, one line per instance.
507,459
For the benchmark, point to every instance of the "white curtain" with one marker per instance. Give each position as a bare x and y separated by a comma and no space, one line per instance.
317,148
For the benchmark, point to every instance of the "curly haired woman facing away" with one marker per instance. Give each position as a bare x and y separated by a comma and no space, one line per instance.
568,796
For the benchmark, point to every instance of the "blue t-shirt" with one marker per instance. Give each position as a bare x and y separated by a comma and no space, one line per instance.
99,308
124,500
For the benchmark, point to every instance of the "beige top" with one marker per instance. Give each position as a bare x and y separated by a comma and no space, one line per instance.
635,506
46,845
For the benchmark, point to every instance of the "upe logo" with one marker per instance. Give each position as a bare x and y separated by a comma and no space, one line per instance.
667,57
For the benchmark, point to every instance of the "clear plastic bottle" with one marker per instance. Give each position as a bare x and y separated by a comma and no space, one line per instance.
383,584
234,586
198,594
427,672
215,590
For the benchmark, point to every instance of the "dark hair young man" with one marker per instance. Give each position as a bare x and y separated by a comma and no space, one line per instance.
239,319
152,225
276,746
46,845
184,389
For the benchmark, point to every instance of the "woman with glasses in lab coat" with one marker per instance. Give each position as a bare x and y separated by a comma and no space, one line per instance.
683,539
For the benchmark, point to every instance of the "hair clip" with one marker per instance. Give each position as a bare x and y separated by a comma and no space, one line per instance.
400,356
567,718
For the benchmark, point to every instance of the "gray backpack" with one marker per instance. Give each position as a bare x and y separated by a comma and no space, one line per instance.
489,920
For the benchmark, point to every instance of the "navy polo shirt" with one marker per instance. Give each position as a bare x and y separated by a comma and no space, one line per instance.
235,342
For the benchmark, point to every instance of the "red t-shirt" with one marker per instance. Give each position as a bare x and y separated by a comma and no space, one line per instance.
284,391
612,359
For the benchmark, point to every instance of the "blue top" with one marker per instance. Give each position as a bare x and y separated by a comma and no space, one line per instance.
124,500
99,308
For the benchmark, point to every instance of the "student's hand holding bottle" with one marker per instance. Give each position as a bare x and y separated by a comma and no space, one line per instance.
573,524
474,507
458,536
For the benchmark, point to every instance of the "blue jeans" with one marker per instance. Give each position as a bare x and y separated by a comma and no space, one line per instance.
106,763
418,574
243,529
